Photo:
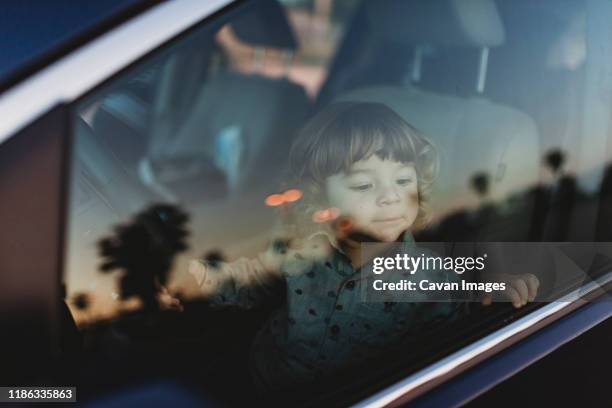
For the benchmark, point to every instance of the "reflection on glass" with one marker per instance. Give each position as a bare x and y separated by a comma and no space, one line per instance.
144,251
282,146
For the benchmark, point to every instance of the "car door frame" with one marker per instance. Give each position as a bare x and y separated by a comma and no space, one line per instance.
53,88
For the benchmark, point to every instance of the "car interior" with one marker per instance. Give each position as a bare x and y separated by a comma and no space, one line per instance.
501,88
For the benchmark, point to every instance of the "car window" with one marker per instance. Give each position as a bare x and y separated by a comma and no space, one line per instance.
232,193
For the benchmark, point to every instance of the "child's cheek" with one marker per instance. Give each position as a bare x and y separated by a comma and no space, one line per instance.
358,212
355,212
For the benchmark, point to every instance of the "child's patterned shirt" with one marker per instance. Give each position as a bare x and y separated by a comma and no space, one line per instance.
325,324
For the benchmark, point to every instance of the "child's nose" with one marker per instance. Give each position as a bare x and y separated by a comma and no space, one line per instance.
389,195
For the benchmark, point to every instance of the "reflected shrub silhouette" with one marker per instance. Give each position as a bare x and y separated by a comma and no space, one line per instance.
144,250
547,208
480,183
555,159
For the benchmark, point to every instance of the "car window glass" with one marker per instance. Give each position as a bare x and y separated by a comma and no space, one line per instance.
224,190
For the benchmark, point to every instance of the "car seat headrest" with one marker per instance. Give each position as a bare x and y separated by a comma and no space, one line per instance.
475,23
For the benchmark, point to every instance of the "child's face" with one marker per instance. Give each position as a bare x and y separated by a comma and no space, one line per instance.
380,197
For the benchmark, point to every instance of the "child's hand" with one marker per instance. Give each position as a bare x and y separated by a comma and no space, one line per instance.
520,289
167,301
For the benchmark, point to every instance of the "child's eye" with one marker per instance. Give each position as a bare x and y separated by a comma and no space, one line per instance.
361,187
404,181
